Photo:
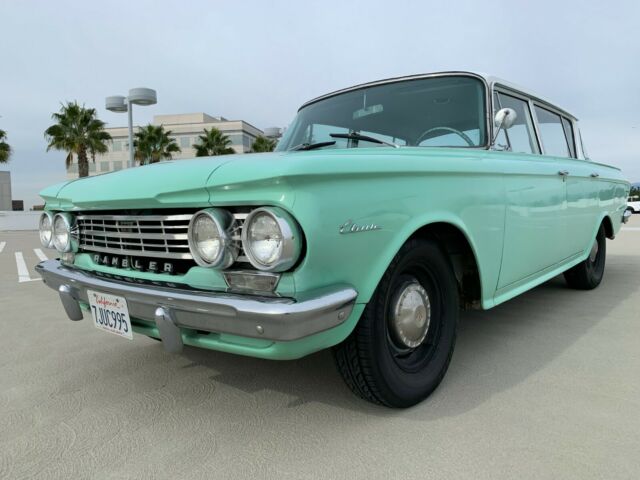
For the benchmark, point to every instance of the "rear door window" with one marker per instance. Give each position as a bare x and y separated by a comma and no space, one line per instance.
552,133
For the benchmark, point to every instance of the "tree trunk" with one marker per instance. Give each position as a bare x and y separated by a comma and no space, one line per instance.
83,162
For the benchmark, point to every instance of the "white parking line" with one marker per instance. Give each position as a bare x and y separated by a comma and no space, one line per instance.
40,254
631,229
2,244
23,271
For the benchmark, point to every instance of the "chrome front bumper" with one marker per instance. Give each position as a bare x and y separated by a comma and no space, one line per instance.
626,215
271,318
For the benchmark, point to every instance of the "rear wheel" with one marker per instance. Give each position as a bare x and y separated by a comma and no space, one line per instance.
401,348
588,274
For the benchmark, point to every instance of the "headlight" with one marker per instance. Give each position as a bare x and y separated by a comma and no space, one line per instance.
210,238
271,239
45,230
63,224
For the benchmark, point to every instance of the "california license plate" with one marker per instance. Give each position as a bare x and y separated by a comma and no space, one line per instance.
110,313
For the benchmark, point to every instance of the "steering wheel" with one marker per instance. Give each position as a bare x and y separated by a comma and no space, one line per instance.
463,135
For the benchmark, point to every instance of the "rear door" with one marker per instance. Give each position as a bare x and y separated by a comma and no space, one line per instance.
580,176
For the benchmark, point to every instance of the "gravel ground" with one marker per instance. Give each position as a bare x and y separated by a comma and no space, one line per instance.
544,386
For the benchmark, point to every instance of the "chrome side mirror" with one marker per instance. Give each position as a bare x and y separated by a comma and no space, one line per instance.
504,120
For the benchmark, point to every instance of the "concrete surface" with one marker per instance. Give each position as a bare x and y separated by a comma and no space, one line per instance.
545,386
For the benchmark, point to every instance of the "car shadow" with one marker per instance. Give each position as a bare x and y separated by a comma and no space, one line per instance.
496,350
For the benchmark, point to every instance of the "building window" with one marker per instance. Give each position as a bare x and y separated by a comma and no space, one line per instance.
235,139
73,168
104,166
117,165
92,167
117,146
185,142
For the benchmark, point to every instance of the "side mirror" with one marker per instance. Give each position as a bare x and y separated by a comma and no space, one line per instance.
505,118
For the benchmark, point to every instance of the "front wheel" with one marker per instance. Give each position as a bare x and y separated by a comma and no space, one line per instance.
588,274
401,348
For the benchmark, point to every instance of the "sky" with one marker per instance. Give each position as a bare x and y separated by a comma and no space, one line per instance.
259,60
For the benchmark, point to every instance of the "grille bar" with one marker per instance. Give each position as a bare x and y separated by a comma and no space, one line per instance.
142,235
149,218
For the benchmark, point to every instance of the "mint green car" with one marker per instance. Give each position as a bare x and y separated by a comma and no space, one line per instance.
385,209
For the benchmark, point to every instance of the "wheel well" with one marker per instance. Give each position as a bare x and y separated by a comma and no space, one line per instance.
455,245
608,227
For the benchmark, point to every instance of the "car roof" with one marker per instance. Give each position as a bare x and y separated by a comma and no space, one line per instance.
490,80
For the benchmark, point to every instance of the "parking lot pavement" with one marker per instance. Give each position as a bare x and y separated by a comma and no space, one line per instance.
544,386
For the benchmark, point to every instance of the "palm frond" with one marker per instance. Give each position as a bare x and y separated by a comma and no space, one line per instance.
77,130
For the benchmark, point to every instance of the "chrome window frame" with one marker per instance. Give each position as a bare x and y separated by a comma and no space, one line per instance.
560,115
534,121
487,97
534,101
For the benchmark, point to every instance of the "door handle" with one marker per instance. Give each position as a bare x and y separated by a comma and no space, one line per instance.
563,173
595,174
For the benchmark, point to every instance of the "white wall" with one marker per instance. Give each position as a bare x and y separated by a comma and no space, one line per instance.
19,220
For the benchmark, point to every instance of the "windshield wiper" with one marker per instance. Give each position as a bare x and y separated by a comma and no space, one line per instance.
366,138
311,146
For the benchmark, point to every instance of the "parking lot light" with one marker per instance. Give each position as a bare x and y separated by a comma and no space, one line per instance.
138,96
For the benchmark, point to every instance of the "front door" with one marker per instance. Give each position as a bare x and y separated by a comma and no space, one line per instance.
536,198
535,219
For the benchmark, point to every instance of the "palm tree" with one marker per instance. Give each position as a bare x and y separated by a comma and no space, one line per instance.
5,149
153,144
213,142
263,144
77,131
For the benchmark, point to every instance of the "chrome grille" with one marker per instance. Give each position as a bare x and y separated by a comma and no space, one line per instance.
160,236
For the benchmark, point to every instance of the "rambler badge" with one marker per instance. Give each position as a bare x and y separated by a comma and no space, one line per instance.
133,263
350,227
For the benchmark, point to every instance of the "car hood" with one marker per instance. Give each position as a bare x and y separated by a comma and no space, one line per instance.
173,184
248,179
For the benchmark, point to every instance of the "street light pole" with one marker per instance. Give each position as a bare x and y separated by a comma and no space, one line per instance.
138,96
130,115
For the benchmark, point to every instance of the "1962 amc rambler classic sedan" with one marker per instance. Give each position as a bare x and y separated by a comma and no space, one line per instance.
386,209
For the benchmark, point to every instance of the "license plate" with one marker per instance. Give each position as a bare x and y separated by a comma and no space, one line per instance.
110,313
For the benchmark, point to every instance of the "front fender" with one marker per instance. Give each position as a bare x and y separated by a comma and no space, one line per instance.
397,207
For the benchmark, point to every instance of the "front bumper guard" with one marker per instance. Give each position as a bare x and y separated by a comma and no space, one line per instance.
271,318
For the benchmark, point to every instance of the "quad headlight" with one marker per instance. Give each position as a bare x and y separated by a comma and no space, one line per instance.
45,229
210,241
63,232
271,239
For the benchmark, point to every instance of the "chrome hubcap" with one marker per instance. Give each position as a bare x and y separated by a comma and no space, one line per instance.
410,315
594,251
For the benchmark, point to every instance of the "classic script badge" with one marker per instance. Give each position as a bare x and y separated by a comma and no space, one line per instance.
350,227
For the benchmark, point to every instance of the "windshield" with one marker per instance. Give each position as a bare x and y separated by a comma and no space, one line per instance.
435,112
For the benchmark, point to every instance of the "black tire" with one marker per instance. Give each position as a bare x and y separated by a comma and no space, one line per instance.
588,274
372,363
